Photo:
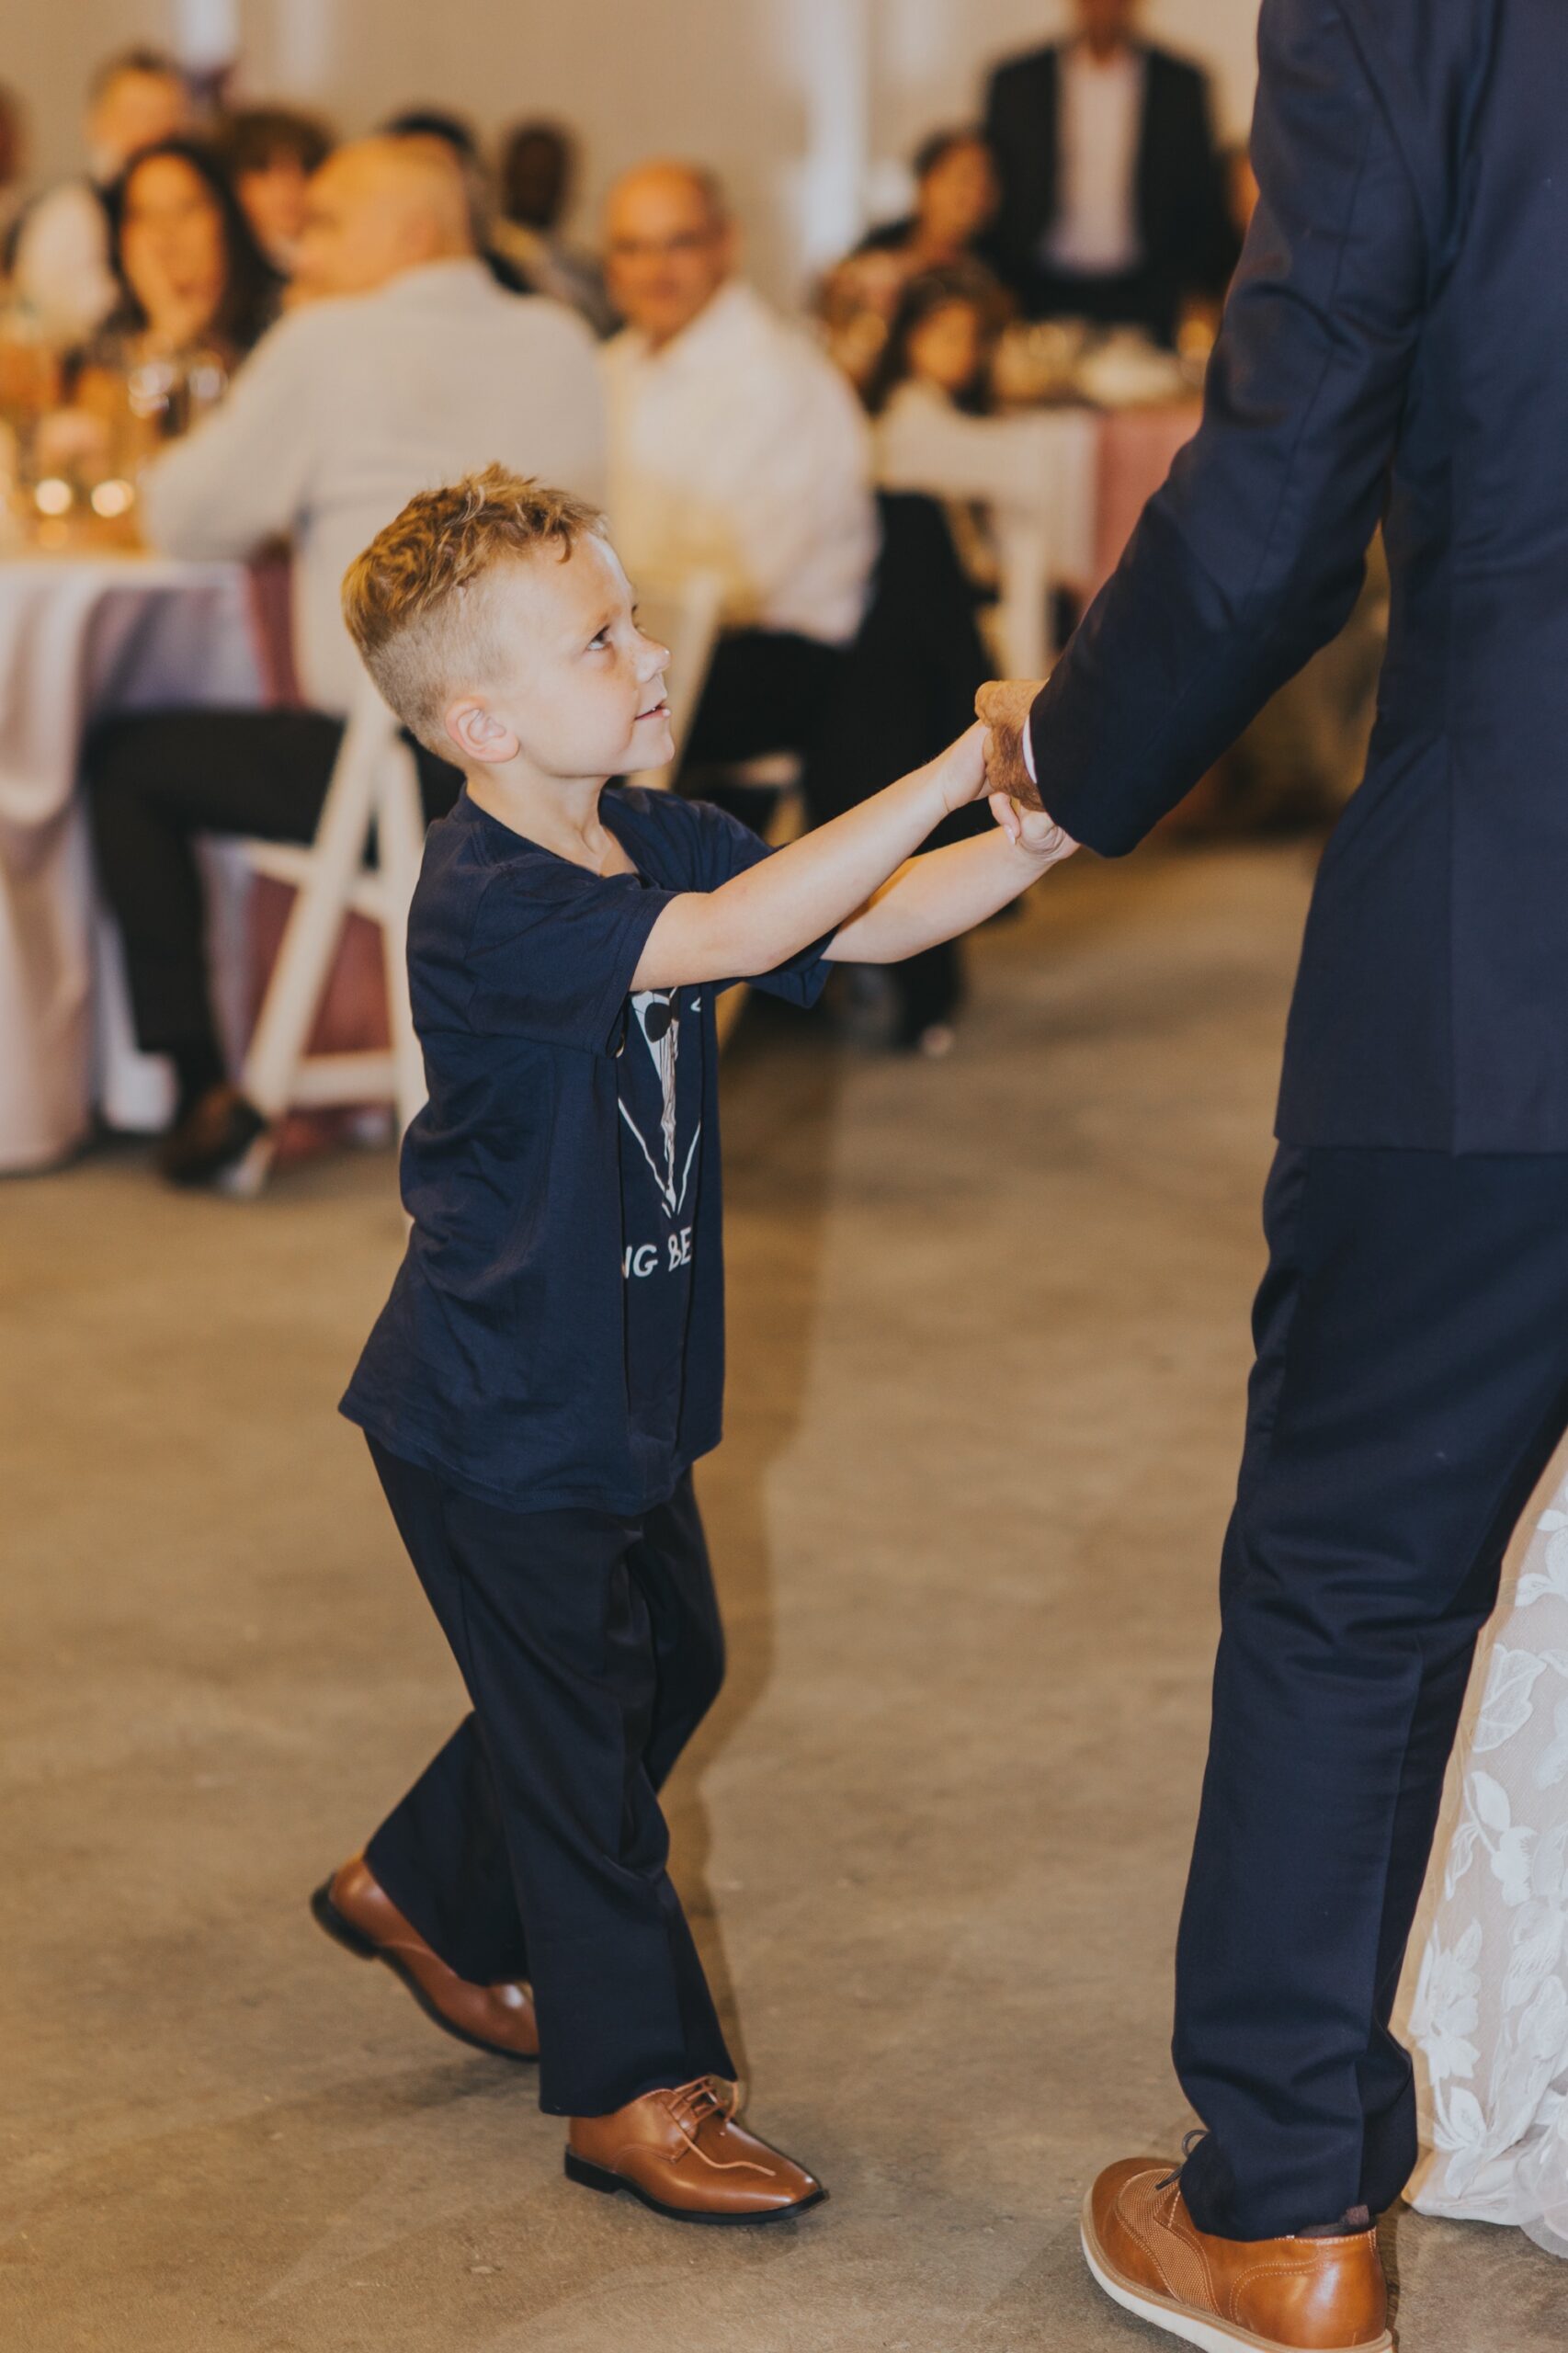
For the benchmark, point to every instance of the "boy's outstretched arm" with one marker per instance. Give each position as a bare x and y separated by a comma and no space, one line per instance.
950,891
761,919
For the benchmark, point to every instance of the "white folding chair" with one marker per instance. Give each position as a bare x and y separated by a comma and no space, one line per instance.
374,786
687,621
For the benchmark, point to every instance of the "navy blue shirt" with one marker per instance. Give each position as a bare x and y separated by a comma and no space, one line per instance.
555,1335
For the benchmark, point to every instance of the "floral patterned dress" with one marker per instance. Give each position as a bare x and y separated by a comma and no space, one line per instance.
1490,2014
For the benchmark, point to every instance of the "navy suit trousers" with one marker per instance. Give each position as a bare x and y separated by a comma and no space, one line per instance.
532,1845
1411,1385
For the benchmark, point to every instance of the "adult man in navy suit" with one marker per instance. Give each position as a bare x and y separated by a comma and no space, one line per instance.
1112,195
1395,345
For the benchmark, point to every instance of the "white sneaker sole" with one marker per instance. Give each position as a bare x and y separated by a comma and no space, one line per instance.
1203,2329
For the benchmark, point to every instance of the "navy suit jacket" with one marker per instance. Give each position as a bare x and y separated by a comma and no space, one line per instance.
1396,346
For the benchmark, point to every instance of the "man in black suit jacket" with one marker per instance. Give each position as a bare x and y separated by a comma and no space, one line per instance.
1394,345
1113,195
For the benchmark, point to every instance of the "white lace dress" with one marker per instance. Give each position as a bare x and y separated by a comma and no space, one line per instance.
1489,2018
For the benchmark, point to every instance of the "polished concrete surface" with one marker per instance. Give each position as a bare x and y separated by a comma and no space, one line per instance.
989,1337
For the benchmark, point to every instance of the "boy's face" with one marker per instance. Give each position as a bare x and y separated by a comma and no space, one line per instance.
583,694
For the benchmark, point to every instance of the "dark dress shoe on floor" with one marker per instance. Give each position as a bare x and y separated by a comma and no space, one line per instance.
682,2154
213,1137
361,1916
1314,2293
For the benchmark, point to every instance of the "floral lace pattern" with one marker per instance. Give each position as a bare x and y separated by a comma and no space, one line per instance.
1490,2014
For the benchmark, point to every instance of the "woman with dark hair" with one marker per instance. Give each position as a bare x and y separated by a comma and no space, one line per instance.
941,338
538,163
196,292
269,153
956,197
955,203
191,272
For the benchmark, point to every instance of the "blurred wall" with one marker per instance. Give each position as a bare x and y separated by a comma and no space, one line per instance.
807,106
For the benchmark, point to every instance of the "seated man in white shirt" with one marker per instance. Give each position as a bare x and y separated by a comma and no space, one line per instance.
736,448
419,368
60,266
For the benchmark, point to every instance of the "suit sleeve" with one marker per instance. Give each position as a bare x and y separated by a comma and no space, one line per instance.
1251,556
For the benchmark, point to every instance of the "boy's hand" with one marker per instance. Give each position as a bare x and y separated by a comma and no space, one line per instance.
1031,830
1004,706
960,772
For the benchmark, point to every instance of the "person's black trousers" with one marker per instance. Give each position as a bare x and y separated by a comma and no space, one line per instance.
766,690
1411,1385
533,1845
157,780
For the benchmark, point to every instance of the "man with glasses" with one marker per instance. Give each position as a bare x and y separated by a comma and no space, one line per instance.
736,448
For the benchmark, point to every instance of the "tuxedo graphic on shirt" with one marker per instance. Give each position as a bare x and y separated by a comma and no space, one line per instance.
655,1023
660,1096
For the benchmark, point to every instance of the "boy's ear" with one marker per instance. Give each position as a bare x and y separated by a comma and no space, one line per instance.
478,733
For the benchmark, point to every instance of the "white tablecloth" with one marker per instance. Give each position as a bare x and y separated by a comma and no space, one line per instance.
82,637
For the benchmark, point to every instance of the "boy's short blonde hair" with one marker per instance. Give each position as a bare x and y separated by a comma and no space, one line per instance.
416,601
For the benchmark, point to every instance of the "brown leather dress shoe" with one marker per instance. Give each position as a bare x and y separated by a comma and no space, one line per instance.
1290,2296
362,1916
683,2153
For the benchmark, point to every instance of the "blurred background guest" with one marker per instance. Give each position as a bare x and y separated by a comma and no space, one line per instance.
192,276
344,410
454,134
537,167
13,172
269,153
196,292
736,449
1113,202
62,265
931,381
956,199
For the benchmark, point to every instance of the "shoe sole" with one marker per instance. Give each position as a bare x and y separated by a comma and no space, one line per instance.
1205,2330
343,1932
608,2184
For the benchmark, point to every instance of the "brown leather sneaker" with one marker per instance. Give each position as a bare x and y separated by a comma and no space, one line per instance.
362,1916
683,2153
1292,2295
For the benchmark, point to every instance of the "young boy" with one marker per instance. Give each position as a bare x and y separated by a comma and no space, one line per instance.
549,1366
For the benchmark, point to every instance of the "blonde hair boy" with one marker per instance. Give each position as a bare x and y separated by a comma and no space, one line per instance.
549,1366
418,602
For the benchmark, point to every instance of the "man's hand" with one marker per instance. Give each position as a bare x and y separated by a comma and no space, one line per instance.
1003,706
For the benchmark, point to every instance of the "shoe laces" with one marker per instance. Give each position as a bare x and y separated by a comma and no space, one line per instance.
1190,2142
696,2104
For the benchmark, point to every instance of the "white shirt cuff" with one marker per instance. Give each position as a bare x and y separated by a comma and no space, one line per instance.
1029,753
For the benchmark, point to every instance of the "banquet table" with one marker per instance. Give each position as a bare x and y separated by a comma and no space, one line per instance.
84,635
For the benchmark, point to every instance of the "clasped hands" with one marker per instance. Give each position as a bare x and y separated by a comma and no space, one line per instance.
1002,708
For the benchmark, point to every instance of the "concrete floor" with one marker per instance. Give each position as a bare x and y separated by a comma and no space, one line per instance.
988,1325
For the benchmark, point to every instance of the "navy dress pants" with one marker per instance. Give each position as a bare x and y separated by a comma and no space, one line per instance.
532,1845
1411,1385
